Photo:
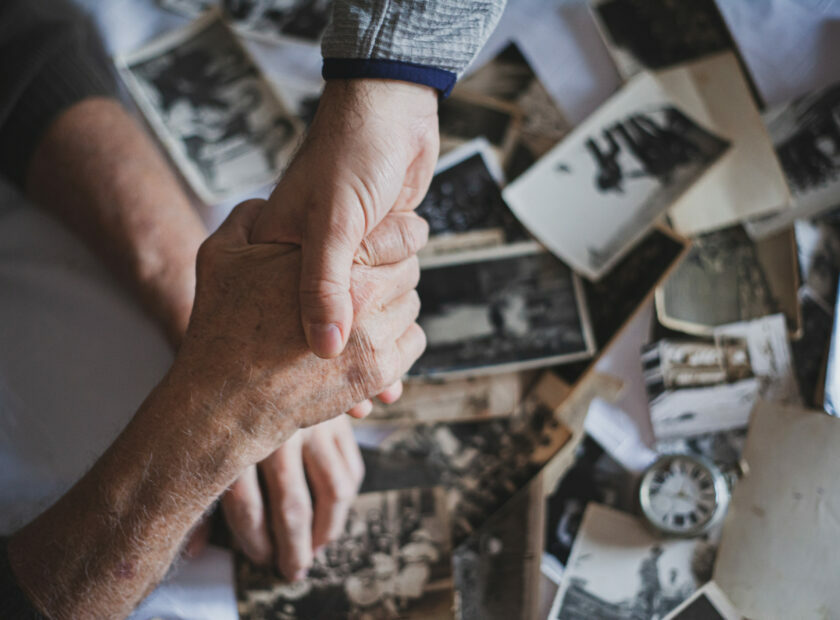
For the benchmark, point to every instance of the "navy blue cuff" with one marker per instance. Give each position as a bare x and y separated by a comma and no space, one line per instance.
350,68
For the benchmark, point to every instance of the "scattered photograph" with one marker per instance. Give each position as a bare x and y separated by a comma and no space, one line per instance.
212,108
699,387
708,603
501,310
719,282
594,477
497,566
620,570
722,448
472,398
188,8
509,77
596,194
482,463
641,34
393,560
272,21
748,181
806,134
464,205
462,118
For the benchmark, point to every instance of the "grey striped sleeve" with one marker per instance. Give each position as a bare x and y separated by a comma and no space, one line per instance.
446,34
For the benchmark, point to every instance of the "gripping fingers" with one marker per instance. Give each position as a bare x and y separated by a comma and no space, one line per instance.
411,346
397,237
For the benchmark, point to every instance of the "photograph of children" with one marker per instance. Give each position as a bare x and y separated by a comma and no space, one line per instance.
620,570
212,109
594,195
274,20
464,205
394,560
501,310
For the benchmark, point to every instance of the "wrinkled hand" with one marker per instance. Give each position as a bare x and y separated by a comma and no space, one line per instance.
371,151
245,343
309,482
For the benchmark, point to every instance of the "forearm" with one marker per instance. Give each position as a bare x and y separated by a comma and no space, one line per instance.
97,171
105,544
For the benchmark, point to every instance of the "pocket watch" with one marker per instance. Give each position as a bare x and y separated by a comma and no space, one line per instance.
683,495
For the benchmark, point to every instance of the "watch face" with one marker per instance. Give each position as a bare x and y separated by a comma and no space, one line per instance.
683,495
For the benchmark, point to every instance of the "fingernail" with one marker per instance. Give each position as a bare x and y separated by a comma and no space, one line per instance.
325,339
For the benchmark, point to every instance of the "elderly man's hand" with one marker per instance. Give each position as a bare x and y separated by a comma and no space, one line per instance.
311,480
245,336
371,150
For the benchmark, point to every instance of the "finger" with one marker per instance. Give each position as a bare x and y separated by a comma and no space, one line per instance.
392,393
362,410
378,286
411,346
244,511
395,319
290,506
333,487
349,447
237,226
197,539
326,307
397,237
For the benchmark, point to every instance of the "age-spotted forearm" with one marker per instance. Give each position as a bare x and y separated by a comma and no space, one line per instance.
105,544
97,171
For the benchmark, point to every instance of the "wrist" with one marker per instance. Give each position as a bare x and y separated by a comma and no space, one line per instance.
375,94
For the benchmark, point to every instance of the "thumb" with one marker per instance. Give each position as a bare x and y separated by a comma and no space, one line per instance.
326,308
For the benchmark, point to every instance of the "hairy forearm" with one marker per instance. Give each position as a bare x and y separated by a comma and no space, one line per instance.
105,544
97,171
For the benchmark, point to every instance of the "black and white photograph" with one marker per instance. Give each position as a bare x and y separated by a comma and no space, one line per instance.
188,8
595,195
697,387
720,281
621,570
471,398
393,560
271,21
806,135
212,108
708,603
723,448
641,34
464,205
501,310
509,77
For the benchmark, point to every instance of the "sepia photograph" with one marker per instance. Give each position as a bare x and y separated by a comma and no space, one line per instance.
720,281
462,118
471,398
501,310
393,561
481,463
211,107
464,205
509,77
272,21
620,570
596,194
